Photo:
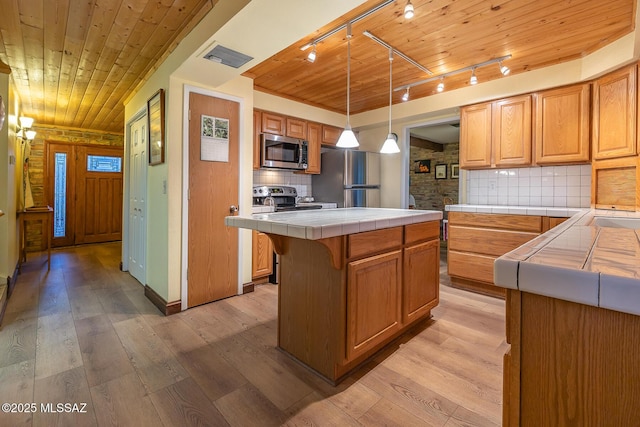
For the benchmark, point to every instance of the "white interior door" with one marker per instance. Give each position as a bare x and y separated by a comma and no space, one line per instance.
137,200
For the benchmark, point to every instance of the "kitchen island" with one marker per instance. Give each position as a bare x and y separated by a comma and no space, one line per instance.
351,280
573,323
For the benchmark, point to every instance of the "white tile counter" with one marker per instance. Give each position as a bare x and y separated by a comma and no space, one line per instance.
584,260
323,223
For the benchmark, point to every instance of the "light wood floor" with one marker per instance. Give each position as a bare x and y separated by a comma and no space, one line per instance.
85,333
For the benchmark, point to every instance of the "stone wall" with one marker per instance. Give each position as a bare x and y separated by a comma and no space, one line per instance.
428,191
37,161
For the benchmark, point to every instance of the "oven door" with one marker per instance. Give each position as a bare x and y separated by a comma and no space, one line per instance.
281,152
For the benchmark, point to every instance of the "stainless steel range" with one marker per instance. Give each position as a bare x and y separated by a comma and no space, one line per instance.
283,198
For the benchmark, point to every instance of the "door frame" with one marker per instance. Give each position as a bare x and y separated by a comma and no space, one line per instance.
125,192
185,186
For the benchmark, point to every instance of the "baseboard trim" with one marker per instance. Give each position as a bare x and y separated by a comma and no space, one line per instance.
248,287
165,308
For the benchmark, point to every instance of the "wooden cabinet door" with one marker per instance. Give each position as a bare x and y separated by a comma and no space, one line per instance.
562,125
261,255
475,136
273,123
330,134
421,280
373,301
296,128
314,137
257,130
511,136
614,114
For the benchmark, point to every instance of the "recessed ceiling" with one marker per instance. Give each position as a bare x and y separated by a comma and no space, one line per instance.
443,36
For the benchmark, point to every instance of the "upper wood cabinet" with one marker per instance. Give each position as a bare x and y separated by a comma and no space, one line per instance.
296,128
330,134
512,131
562,125
314,135
614,114
475,136
496,134
273,123
257,127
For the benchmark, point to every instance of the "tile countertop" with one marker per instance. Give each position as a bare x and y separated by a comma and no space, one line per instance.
322,223
515,210
580,261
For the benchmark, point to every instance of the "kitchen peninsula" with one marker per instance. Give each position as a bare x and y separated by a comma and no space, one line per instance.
573,323
351,280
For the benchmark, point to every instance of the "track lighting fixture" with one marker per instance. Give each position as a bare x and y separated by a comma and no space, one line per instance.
473,80
408,10
503,69
405,96
312,55
347,137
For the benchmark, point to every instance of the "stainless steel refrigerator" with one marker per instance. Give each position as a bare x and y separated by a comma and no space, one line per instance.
349,178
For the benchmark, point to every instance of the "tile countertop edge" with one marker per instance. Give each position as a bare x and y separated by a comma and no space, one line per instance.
598,289
516,210
332,222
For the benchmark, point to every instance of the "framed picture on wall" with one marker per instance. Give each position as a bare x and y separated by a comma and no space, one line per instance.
155,124
455,170
441,171
422,166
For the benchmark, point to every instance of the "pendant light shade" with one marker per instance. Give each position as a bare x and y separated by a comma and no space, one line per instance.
390,145
348,138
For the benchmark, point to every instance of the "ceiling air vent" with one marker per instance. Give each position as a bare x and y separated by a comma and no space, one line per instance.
226,56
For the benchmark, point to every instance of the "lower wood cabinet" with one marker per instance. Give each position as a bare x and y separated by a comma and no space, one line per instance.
374,287
261,257
477,239
421,290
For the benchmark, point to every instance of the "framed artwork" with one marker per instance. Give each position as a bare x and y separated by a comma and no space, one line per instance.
441,171
422,166
155,125
455,170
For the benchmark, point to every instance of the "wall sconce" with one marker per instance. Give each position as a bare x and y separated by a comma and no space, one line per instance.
24,130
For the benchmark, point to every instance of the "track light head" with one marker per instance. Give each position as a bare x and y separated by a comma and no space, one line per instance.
408,10
473,80
405,96
504,69
440,87
311,57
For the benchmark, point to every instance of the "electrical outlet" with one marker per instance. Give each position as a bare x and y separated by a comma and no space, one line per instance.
492,185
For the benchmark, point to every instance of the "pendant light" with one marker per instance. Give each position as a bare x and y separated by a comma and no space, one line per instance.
390,145
348,138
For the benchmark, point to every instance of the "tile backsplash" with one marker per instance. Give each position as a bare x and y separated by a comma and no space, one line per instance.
549,186
301,182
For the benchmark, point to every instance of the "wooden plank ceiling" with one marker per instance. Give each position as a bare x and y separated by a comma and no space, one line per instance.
443,36
74,62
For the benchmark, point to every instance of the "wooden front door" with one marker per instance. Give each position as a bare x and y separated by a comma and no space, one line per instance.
98,195
212,267
85,190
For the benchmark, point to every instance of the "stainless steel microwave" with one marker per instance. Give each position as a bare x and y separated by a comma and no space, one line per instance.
282,152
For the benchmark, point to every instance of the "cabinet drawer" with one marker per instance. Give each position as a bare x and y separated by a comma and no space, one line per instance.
502,221
471,266
370,242
486,241
422,231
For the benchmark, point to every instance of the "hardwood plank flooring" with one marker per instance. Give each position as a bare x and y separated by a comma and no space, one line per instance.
85,333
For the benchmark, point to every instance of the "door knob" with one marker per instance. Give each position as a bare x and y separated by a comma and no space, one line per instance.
233,209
